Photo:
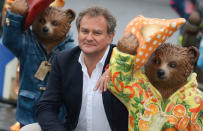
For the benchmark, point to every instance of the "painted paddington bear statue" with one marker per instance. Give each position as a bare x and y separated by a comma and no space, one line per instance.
163,94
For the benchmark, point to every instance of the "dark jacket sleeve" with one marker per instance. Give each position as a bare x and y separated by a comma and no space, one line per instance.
48,107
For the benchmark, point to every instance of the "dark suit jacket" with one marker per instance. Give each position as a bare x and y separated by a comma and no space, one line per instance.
65,86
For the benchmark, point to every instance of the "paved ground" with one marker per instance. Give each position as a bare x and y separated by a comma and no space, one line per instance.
124,11
7,113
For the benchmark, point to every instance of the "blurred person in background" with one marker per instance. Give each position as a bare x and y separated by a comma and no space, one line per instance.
183,7
191,33
192,36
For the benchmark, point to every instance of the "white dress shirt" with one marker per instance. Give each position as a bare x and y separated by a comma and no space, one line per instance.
92,114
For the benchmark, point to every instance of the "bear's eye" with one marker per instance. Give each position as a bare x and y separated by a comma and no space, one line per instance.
42,21
172,64
54,23
156,61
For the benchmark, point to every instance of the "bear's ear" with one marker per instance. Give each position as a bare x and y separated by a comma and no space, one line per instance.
71,14
194,52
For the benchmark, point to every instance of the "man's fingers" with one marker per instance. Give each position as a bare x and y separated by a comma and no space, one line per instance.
105,84
102,85
97,85
102,82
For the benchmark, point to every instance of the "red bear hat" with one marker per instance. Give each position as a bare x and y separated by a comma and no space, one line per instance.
35,8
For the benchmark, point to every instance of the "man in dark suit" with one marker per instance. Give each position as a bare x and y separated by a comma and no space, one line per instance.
74,76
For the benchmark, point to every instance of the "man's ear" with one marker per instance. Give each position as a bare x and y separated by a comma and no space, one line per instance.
194,52
71,14
111,37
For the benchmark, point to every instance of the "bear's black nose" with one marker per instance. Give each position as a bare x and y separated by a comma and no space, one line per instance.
45,29
160,73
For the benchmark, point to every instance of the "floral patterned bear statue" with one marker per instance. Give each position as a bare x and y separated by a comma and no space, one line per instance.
162,95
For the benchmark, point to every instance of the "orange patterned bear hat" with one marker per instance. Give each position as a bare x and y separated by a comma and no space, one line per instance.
151,33
58,3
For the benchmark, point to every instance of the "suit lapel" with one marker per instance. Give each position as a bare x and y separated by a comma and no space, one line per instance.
76,83
107,95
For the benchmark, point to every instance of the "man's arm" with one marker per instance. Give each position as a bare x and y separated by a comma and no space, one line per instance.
48,107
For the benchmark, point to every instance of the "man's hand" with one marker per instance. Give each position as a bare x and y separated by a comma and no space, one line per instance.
102,82
128,44
19,7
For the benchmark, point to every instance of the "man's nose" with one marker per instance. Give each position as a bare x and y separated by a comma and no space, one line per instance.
89,36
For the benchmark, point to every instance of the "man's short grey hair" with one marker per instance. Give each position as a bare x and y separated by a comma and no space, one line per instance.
95,11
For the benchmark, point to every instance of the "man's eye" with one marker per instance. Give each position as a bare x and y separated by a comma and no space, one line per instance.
84,31
97,33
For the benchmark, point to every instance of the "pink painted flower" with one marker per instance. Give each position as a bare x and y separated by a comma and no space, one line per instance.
197,100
